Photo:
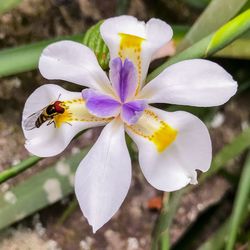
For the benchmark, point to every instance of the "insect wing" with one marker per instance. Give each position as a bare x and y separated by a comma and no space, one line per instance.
30,122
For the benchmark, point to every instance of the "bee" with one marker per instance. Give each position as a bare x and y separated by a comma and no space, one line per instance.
48,113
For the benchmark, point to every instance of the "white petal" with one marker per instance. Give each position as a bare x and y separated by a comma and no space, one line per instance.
47,140
175,166
73,62
126,37
194,82
103,177
158,33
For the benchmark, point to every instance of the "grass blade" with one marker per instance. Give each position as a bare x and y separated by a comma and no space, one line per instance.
223,10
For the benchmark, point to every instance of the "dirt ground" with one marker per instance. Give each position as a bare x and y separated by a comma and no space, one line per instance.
131,227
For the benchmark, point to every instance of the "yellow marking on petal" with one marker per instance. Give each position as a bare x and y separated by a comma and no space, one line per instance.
163,137
130,47
151,127
75,111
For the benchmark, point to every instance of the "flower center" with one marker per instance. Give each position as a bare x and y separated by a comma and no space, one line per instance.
123,77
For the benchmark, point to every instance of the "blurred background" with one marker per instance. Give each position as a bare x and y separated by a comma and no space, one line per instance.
198,213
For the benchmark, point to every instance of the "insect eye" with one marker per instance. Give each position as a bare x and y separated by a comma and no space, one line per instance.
50,110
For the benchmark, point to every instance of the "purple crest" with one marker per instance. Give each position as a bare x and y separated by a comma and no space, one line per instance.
123,78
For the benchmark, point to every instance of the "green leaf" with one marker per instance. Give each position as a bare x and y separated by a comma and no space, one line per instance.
239,49
215,15
225,32
240,204
39,191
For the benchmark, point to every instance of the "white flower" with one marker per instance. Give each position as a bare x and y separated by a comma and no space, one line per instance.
172,145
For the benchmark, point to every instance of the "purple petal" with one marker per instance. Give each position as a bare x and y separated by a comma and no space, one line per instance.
99,104
131,111
123,78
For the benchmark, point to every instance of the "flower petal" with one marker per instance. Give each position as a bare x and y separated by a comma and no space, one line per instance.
123,78
73,62
99,104
126,37
196,82
131,111
172,145
47,136
102,178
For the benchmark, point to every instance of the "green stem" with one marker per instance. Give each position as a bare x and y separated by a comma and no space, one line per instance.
210,44
19,168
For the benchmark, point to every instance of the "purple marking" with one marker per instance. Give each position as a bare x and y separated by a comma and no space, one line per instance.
131,111
123,78
99,104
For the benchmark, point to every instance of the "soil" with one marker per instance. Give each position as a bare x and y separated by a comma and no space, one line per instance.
131,227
